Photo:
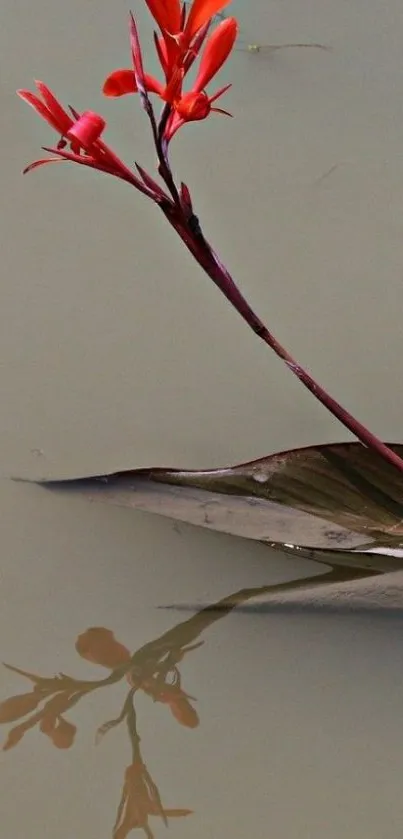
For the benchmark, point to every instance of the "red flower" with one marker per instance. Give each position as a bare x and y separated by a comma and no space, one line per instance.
216,52
170,17
80,139
82,132
201,12
123,81
195,104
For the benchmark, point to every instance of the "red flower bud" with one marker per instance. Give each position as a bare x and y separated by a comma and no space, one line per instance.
193,106
87,129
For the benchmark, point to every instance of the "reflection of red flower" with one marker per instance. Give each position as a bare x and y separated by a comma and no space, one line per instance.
60,731
140,799
184,712
49,718
99,645
18,706
176,699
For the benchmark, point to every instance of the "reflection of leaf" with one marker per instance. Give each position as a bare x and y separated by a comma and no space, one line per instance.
337,497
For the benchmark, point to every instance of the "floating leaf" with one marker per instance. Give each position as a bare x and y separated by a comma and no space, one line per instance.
338,497
345,483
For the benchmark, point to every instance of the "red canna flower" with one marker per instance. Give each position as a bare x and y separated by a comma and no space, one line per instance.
191,107
171,18
123,81
195,104
216,52
80,138
201,12
167,13
81,132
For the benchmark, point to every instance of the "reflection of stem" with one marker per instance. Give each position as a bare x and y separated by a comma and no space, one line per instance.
215,611
103,729
145,661
131,719
151,787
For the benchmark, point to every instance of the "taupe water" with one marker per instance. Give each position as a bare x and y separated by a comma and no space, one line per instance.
116,352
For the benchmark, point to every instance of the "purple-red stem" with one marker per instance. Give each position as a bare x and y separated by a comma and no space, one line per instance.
208,260
181,217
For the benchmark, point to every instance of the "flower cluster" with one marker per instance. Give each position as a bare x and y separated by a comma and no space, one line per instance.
153,670
182,38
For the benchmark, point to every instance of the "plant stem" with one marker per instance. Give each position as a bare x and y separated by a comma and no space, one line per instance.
211,264
191,234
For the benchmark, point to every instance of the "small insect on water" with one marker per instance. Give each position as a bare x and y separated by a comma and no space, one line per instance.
255,48
244,46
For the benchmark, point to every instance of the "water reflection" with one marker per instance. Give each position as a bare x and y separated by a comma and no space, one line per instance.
154,670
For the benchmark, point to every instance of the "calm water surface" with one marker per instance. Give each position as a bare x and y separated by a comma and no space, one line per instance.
279,720
115,352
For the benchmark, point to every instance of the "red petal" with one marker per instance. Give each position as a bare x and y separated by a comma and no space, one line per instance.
174,86
39,107
174,123
153,85
221,111
87,129
200,12
193,106
137,60
196,47
64,121
162,52
41,162
123,81
49,109
167,13
216,52
119,83
219,93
